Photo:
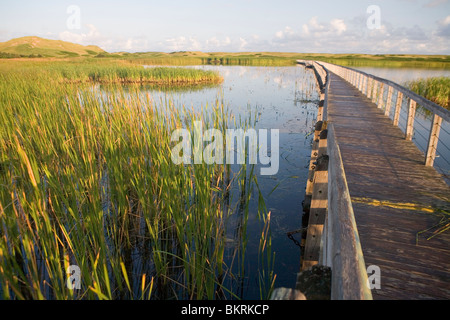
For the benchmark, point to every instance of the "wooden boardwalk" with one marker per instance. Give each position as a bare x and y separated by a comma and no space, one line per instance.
394,198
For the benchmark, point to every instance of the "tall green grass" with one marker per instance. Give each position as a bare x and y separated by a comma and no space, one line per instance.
436,89
90,70
87,179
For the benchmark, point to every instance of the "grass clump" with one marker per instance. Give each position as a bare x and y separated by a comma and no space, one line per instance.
111,72
436,89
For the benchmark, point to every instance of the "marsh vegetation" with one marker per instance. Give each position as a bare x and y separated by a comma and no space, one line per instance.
87,180
436,89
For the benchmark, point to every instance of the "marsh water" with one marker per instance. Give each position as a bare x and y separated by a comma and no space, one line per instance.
283,98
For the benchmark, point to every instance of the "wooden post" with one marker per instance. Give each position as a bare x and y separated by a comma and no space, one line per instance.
344,254
375,91
320,109
381,95
364,85
369,88
387,111
312,165
398,108
411,116
433,140
318,208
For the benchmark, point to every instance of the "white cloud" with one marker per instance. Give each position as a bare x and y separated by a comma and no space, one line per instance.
353,36
182,43
338,26
215,44
315,35
92,36
88,38
443,29
242,44
435,3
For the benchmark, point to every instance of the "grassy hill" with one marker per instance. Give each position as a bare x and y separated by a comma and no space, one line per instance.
32,47
39,47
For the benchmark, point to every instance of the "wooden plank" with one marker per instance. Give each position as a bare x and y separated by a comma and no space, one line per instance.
416,284
318,207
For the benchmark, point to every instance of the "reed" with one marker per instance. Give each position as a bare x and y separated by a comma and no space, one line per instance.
108,72
436,89
87,179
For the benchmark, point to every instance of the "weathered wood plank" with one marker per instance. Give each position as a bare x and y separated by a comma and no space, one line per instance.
343,251
318,207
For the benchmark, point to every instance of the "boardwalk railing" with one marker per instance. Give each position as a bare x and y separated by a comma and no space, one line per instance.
333,240
383,92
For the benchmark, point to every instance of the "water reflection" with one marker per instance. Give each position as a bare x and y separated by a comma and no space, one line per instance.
283,98
403,75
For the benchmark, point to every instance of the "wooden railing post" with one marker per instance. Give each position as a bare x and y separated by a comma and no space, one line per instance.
365,85
312,166
398,107
433,140
410,122
381,95
387,111
375,91
369,88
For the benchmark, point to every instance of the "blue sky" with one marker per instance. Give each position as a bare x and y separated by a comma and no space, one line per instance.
325,26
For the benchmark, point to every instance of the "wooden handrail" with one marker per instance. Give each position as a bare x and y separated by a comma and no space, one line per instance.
344,252
373,86
427,104
341,249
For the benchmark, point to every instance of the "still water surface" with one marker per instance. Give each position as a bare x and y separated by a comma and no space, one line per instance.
283,98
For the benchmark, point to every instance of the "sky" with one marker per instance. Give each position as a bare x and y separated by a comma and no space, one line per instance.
314,26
